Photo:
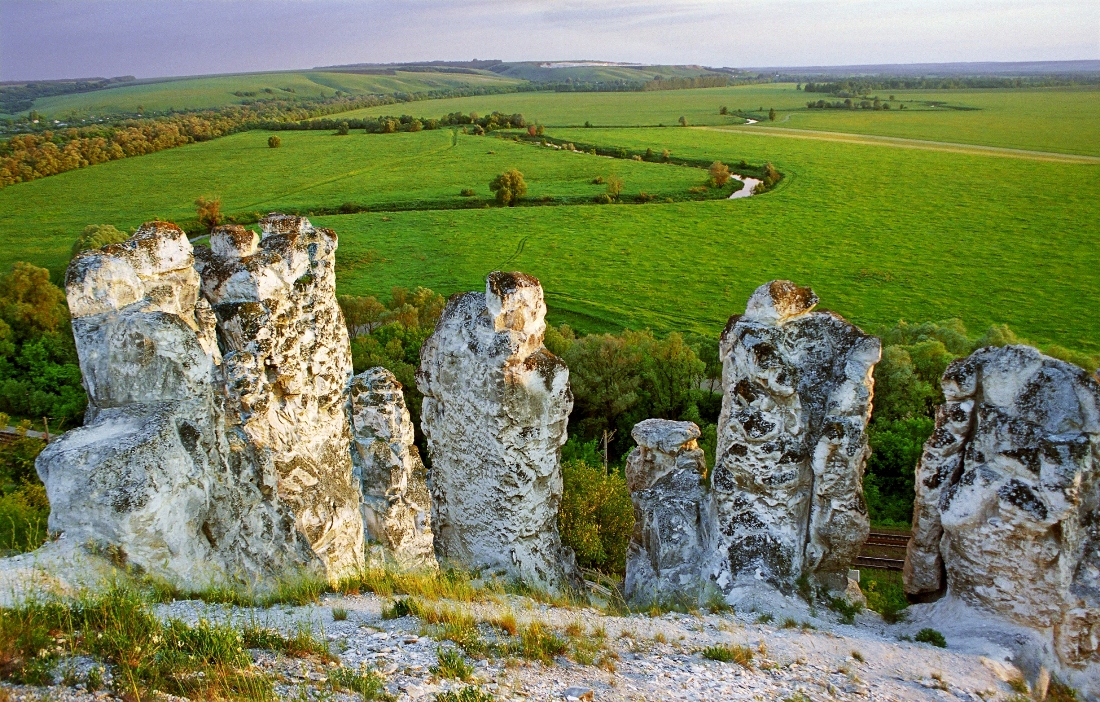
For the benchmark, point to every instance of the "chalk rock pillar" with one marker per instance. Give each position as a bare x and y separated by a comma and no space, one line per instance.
287,361
673,514
496,405
792,441
396,506
1007,516
150,474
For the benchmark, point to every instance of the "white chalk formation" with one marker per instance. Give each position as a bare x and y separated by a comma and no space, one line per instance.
496,405
792,443
1007,515
216,442
396,506
672,543
287,365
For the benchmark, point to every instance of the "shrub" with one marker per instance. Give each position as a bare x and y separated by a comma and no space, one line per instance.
614,186
96,236
342,129
885,594
509,187
274,141
209,212
602,199
596,515
598,180
683,121
467,192
931,636
719,173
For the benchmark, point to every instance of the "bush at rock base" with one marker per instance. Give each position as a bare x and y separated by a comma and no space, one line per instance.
596,515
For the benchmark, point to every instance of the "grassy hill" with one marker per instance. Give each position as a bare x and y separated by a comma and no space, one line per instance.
218,91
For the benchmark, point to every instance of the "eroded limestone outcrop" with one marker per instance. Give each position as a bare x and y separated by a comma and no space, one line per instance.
396,505
1007,515
792,442
674,518
287,365
216,442
496,404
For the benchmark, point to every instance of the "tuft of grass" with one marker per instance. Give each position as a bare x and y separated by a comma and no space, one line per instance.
742,655
452,665
339,614
469,693
368,684
856,655
538,642
449,623
301,644
765,618
1018,684
931,636
505,622
789,623
449,584
574,628
1060,692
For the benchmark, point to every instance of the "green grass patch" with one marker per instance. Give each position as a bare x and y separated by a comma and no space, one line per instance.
452,665
885,593
742,655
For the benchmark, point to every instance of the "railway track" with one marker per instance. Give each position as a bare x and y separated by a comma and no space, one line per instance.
883,550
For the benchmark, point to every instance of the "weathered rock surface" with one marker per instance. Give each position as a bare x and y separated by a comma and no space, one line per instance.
792,442
216,442
673,515
149,474
396,505
287,365
1007,516
496,404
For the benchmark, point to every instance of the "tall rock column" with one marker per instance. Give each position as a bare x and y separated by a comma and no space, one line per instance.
396,505
1007,516
287,361
792,441
149,475
496,405
673,515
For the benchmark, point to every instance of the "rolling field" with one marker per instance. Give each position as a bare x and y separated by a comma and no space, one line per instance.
881,232
1055,119
39,220
218,91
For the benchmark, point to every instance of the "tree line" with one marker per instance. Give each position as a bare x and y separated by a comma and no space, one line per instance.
854,87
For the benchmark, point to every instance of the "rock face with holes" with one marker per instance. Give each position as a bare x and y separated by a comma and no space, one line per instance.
1007,515
674,518
496,404
150,473
792,442
287,364
216,442
396,506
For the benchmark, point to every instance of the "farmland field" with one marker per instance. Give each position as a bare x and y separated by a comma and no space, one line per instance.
218,91
1049,119
882,233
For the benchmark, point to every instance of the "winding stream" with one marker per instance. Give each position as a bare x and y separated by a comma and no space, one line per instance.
746,190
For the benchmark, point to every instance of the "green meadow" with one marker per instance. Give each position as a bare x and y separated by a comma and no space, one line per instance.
40,219
219,91
1045,119
881,232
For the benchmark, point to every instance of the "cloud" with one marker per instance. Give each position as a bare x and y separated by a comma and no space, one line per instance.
70,38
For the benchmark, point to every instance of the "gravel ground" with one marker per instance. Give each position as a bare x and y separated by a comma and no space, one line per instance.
658,658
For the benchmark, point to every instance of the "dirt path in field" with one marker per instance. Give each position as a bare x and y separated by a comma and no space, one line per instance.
902,143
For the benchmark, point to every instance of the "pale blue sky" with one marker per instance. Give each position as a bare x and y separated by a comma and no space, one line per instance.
147,38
